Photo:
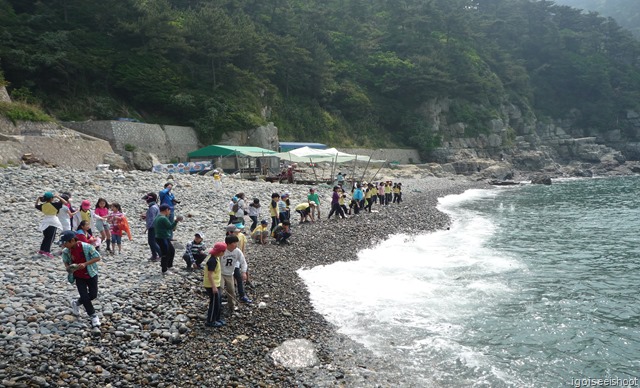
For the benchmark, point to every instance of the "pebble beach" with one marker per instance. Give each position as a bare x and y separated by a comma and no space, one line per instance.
152,330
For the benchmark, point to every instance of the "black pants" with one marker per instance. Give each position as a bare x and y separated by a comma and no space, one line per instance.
88,290
238,276
49,235
215,305
254,223
197,257
368,205
274,223
335,208
387,198
167,253
153,245
282,236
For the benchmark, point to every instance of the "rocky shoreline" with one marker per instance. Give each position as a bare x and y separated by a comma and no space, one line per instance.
152,327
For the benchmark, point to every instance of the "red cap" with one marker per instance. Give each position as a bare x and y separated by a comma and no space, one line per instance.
219,247
85,204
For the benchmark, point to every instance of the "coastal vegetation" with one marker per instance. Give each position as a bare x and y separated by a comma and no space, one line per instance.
344,72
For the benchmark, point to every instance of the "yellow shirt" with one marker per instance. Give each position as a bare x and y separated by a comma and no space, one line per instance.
242,242
85,215
387,189
259,230
217,274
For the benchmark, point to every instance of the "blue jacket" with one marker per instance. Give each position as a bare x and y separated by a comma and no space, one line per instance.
166,197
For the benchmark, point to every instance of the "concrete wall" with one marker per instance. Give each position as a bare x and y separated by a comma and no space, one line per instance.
399,155
51,143
170,142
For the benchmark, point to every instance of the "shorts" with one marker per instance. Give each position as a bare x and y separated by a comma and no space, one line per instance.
102,226
116,239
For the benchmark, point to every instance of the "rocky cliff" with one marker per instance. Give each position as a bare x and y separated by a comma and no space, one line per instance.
515,142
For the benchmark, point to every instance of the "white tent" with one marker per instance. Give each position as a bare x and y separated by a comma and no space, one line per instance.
331,155
306,154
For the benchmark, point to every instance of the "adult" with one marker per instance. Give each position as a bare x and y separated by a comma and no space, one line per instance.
50,223
153,211
195,252
80,260
167,198
358,196
163,232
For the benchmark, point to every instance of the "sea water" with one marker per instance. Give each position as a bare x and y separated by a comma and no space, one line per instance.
532,286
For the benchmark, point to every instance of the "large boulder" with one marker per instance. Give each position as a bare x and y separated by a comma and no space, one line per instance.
116,161
541,180
140,160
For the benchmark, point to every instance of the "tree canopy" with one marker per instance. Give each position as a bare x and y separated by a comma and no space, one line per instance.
344,72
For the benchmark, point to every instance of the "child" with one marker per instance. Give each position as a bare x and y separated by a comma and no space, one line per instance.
283,213
102,225
313,196
83,233
163,229
368,197
233,208
212,280
254,213
84,214
65,213
358,197
260,233
282,233
115,219
305,209
335,204
217,180
228,262
343,203
80,260
273,210
381,193
50,222
234,230
387,193
195,254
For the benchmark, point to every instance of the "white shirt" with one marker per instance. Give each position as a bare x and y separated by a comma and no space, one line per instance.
229,259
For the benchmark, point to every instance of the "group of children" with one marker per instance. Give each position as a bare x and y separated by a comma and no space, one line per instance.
225,264
59,214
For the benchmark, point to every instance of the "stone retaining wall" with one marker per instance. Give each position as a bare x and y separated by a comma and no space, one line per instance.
50,143
167,143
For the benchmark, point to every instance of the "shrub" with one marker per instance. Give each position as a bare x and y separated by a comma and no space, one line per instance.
129,147
19,111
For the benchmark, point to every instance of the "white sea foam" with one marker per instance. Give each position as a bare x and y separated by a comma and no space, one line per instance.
410,296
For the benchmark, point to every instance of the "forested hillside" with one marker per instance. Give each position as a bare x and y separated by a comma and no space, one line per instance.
336,71
625,12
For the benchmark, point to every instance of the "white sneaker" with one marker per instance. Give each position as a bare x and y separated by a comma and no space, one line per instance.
95,321
74,307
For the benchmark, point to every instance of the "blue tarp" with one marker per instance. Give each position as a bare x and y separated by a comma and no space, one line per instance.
288,146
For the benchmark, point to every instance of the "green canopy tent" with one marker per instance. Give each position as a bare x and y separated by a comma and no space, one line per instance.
219,154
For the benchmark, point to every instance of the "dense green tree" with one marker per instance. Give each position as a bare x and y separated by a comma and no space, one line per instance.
338,71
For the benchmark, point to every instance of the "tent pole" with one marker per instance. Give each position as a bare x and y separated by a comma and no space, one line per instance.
314,169
365,168
353,174
374,175
333,168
